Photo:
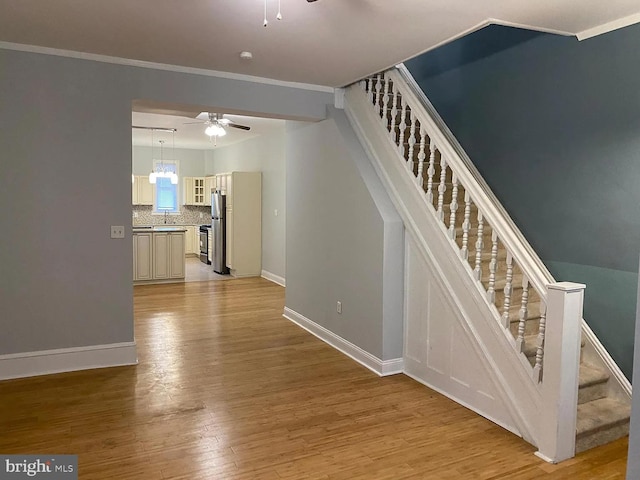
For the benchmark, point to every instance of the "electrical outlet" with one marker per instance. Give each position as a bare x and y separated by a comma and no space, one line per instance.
339,307
117,231
135,214
275,212
201,215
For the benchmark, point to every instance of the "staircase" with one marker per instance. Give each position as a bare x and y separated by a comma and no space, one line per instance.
573,383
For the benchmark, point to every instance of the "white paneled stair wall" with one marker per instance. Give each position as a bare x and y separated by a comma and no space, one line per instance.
485,322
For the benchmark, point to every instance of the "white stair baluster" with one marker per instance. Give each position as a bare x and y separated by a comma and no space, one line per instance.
479,244
453,207
385,103
403,127
493,266
369,88
378,86
466,225
412,142
508,290
537,368
431,171
523,314
421,156
394,114
442,188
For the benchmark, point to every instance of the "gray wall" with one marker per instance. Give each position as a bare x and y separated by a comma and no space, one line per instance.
344,240
65,137
633,457
261,154
552,124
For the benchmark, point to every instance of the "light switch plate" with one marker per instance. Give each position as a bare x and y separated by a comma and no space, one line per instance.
117,231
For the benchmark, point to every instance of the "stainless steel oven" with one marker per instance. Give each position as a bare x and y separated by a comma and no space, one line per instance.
204,244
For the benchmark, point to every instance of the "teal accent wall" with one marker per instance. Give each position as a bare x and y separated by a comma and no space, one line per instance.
610,300
553,125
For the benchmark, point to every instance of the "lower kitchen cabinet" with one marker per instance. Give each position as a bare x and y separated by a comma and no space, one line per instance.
158,257
142,256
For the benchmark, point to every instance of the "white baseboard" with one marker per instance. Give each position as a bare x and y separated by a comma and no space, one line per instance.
373,363
31,364
274,278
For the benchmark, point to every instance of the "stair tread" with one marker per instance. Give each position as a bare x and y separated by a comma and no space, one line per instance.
600,414
591,375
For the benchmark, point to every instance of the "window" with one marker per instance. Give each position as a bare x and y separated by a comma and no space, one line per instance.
166,198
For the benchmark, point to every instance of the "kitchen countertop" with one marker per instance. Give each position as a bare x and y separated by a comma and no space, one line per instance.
159,228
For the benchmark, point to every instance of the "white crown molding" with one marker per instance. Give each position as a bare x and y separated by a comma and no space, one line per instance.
160,66
381,368
44,362
608,27
272,277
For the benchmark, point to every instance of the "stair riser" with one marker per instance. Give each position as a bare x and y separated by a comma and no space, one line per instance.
600,437
592,392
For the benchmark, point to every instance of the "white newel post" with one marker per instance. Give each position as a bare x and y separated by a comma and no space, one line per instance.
557,439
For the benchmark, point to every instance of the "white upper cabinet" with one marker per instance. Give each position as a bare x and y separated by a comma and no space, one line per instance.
141,190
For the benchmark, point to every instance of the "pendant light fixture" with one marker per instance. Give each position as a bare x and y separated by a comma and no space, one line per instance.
162,171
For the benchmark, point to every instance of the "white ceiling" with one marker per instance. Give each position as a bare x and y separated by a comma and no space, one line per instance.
328,42
189,135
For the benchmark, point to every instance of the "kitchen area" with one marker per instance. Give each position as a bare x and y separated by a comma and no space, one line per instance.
174,247
215,209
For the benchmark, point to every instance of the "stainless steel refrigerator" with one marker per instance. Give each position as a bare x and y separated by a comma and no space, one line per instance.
218,226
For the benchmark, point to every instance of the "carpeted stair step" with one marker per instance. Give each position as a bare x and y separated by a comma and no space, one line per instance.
593,383
601,421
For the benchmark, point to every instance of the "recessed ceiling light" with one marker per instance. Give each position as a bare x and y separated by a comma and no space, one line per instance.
246,55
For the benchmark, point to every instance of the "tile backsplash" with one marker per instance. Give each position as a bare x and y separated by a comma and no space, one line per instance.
189,215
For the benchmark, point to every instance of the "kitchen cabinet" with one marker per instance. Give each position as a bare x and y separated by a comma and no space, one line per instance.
223,183
209,186
244,223
193,190
192,240
158,256
142,256
189,240
141,190
168,255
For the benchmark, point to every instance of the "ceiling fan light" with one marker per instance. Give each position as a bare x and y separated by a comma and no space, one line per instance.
210,130
215,130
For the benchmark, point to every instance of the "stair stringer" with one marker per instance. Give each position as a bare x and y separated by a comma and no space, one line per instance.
509,371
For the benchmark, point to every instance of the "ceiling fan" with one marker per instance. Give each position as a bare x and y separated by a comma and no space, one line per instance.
216,124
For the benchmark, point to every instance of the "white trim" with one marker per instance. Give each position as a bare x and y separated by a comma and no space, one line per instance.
608,27
338,98
160,66
45,362
544,457
381,368
526,26
607,361
273,278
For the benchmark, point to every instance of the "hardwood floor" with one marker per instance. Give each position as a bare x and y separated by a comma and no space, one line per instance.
226,388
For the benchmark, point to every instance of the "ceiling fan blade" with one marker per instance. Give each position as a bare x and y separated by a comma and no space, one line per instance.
235,125
194,123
